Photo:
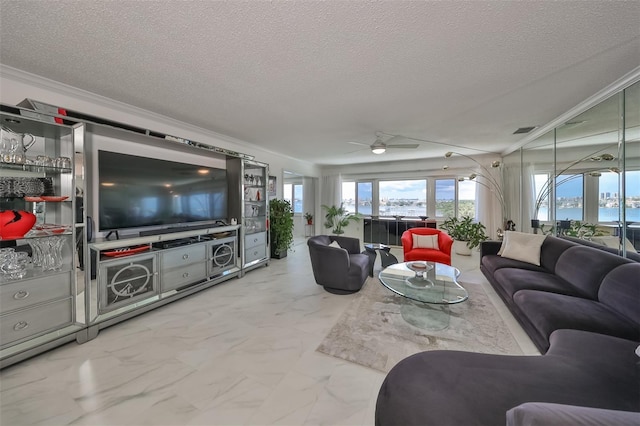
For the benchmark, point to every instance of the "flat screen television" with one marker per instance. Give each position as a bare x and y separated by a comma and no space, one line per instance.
147,193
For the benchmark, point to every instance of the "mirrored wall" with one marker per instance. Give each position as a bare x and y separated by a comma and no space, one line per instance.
582,179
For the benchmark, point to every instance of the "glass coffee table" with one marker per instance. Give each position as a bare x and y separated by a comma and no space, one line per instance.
428,289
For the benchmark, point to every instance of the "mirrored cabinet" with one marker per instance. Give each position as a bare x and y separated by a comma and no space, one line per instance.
251,210
41,298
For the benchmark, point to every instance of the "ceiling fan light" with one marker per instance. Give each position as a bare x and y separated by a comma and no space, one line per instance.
378,149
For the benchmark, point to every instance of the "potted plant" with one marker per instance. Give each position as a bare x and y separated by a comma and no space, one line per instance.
280,227
583,230
338,218
465,230
309,218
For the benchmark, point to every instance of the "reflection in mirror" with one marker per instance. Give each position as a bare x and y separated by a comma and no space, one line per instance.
537,173
587,170
631,165
582,179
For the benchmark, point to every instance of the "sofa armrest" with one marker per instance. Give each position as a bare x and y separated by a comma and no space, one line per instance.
489,247
549,414
350,244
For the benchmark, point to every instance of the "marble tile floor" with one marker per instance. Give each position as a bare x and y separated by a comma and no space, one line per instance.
240,353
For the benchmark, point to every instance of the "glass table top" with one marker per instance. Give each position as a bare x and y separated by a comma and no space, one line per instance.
437,285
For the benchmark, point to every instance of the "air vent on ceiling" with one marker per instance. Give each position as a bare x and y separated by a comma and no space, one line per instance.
524,130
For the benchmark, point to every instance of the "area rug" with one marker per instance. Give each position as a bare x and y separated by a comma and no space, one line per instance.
372,332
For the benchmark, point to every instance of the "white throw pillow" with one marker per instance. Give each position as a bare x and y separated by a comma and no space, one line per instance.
425,241
522,246
334,244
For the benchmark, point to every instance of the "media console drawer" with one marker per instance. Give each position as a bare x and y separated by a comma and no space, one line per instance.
255,253
253,240
35,320
21,294
182,256
175,278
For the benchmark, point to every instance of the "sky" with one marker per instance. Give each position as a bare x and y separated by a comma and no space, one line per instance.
608,182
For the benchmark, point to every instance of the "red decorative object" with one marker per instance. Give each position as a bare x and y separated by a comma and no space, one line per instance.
126,251
14,224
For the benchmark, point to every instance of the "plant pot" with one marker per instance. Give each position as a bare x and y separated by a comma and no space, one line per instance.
461,248
535,223
310,222
278,255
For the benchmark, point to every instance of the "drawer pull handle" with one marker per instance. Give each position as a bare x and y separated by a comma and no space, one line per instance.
185,275
185,256
255,240
22,294
20,325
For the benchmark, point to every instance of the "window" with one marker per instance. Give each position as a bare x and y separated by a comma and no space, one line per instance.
287,193
541,202
466,198
632,196
349,196
293,194
365,198
360,201
297,199
445,197
403,198
608,208
569,197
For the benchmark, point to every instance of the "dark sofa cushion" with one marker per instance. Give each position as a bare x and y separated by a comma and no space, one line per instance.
513,280
585,267
548,312
494,262
620,290
463,388
551,250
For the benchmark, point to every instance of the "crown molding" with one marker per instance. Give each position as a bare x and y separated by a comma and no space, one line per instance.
622,83
102,101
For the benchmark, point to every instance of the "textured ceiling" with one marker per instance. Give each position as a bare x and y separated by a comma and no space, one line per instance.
305,78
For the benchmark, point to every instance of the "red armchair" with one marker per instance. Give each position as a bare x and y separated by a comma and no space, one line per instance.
442,254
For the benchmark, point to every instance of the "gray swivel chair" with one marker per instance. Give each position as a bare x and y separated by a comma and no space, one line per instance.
339,270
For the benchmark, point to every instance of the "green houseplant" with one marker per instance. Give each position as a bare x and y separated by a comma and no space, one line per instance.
338,218
583,230
280,227
309,218
466,230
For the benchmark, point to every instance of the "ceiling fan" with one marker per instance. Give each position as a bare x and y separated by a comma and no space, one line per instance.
380,146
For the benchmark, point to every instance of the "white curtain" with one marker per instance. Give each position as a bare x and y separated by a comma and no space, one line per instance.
331,190
488,207
511,192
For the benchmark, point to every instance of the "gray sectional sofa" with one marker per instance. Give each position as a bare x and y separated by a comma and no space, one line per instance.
581,307
575,287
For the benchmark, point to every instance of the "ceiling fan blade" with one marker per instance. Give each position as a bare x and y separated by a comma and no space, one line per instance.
396,138
405,145
358,143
